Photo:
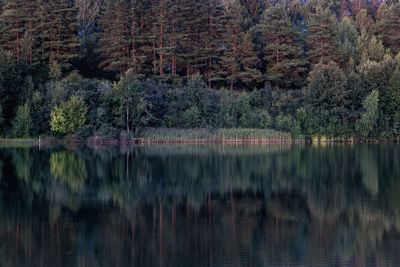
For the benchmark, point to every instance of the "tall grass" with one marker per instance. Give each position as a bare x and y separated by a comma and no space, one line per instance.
215,135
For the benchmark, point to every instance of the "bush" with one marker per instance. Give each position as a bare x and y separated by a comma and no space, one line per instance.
191,118
69,116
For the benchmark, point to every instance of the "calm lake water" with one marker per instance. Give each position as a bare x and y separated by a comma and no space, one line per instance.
200,206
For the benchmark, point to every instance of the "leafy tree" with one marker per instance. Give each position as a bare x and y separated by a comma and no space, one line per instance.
326,97
191,118
133,109
369,117
68,117
22,124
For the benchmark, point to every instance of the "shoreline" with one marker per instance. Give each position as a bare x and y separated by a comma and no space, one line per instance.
177,141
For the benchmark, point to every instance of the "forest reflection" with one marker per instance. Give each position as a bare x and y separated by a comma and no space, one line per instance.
200,206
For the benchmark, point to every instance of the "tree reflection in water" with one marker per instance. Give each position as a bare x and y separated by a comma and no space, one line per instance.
200,206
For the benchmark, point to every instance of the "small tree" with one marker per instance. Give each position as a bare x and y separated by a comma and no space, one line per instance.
368,119
22,123
191,118
133,111
69,116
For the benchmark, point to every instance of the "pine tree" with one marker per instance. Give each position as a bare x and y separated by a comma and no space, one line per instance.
12,28
163,35
212,37
144,31
114,47
58,29
388,26
30,47
358,5
285,66
239,62
321,36
19,35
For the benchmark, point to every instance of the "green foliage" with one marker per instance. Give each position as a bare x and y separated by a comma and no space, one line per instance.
68,117
321,35
367,122
163,60
22,124
191,118
347,36
285,62
131,109
1,118
326,97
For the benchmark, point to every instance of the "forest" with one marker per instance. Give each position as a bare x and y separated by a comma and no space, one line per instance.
113,68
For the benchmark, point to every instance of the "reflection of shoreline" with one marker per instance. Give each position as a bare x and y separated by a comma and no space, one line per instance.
315,204
227,227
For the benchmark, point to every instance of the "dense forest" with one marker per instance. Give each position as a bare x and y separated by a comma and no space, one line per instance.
115,67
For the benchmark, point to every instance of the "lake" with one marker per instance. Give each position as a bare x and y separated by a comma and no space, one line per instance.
276,205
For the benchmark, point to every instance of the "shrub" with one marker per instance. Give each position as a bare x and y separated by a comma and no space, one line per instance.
69,116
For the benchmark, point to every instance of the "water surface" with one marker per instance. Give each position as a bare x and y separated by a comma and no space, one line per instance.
200,206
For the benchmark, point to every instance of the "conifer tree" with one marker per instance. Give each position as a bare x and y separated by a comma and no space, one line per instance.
239,62
58,28
388,25
321,35
285,65
145,29
212,38
12,28
19,29
114,47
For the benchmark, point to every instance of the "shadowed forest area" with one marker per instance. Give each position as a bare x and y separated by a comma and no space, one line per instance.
114,68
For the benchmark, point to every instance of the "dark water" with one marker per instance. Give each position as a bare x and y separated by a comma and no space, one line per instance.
200,206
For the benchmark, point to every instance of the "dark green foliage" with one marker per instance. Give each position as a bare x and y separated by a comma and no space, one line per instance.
239,62
58,32
370,114
326,97
115,37
285,61
321,38
388,25
165,58
22,124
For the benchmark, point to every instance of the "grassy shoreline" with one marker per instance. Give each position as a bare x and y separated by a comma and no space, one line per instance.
153,136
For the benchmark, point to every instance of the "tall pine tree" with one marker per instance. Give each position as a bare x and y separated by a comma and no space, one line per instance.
114,42
239,62
58,27
12,28
286,66
321,37
388,25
